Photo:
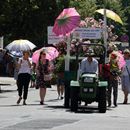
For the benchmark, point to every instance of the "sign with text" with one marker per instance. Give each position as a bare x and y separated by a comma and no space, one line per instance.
87,33
52,38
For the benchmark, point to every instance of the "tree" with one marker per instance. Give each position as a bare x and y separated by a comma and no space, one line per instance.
85,8
126,5
28,19
116,6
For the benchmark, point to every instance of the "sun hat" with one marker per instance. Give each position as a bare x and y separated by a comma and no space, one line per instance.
126,51
90,52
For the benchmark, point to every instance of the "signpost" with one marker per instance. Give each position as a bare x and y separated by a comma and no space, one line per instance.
79,33
52,38
87,33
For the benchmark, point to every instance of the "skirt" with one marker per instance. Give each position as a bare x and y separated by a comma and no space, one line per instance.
40,83
125,80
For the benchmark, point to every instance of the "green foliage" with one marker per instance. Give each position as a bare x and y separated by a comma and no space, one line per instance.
126,6
116,6
60,64
86,8
29,19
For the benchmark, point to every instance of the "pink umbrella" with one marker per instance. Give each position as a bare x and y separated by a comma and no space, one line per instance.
51,53
66,22
121,60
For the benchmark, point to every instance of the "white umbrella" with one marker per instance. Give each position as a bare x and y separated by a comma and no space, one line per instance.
20,45
16,47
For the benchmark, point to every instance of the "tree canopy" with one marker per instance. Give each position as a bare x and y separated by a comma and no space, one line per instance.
29,19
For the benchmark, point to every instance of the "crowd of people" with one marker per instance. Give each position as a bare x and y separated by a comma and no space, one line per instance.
25,71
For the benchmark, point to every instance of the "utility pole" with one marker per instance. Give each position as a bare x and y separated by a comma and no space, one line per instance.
105,31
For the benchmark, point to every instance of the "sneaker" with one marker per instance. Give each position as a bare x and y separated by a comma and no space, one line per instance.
61,97
24,103
19,100
115,104
109,105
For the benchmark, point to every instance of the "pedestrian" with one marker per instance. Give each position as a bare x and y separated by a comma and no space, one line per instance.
24,65
33,76
16,70
125,77
114,77
60,67
1,61
8,64
43,75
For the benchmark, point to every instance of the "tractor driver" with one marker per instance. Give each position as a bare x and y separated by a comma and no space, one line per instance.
89,64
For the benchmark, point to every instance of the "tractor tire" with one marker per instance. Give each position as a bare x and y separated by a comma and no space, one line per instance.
74,99
102,100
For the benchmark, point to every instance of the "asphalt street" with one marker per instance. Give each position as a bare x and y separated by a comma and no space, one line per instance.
53,115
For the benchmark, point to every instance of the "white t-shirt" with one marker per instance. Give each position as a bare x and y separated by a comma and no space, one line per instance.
89,67
24,67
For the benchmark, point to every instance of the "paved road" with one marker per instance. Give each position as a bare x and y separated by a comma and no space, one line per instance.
53,116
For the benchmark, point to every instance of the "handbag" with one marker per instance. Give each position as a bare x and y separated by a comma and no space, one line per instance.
47,77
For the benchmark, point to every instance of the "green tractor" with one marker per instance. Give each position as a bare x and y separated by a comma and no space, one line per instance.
87,87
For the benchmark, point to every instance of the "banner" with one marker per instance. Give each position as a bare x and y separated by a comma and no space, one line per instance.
52,38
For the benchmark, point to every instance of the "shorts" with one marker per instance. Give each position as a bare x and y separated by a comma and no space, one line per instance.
60,82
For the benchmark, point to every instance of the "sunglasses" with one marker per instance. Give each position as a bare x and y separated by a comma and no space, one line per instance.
43,54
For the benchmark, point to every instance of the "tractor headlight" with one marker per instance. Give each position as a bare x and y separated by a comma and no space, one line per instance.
88,80
91,90
85,89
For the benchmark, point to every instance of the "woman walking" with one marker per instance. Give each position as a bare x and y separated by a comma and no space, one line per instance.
126,76
24,65
114,77
59,69
43,69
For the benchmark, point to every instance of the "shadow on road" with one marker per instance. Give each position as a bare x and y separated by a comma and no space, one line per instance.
82,109
4,91
52,100
123,104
